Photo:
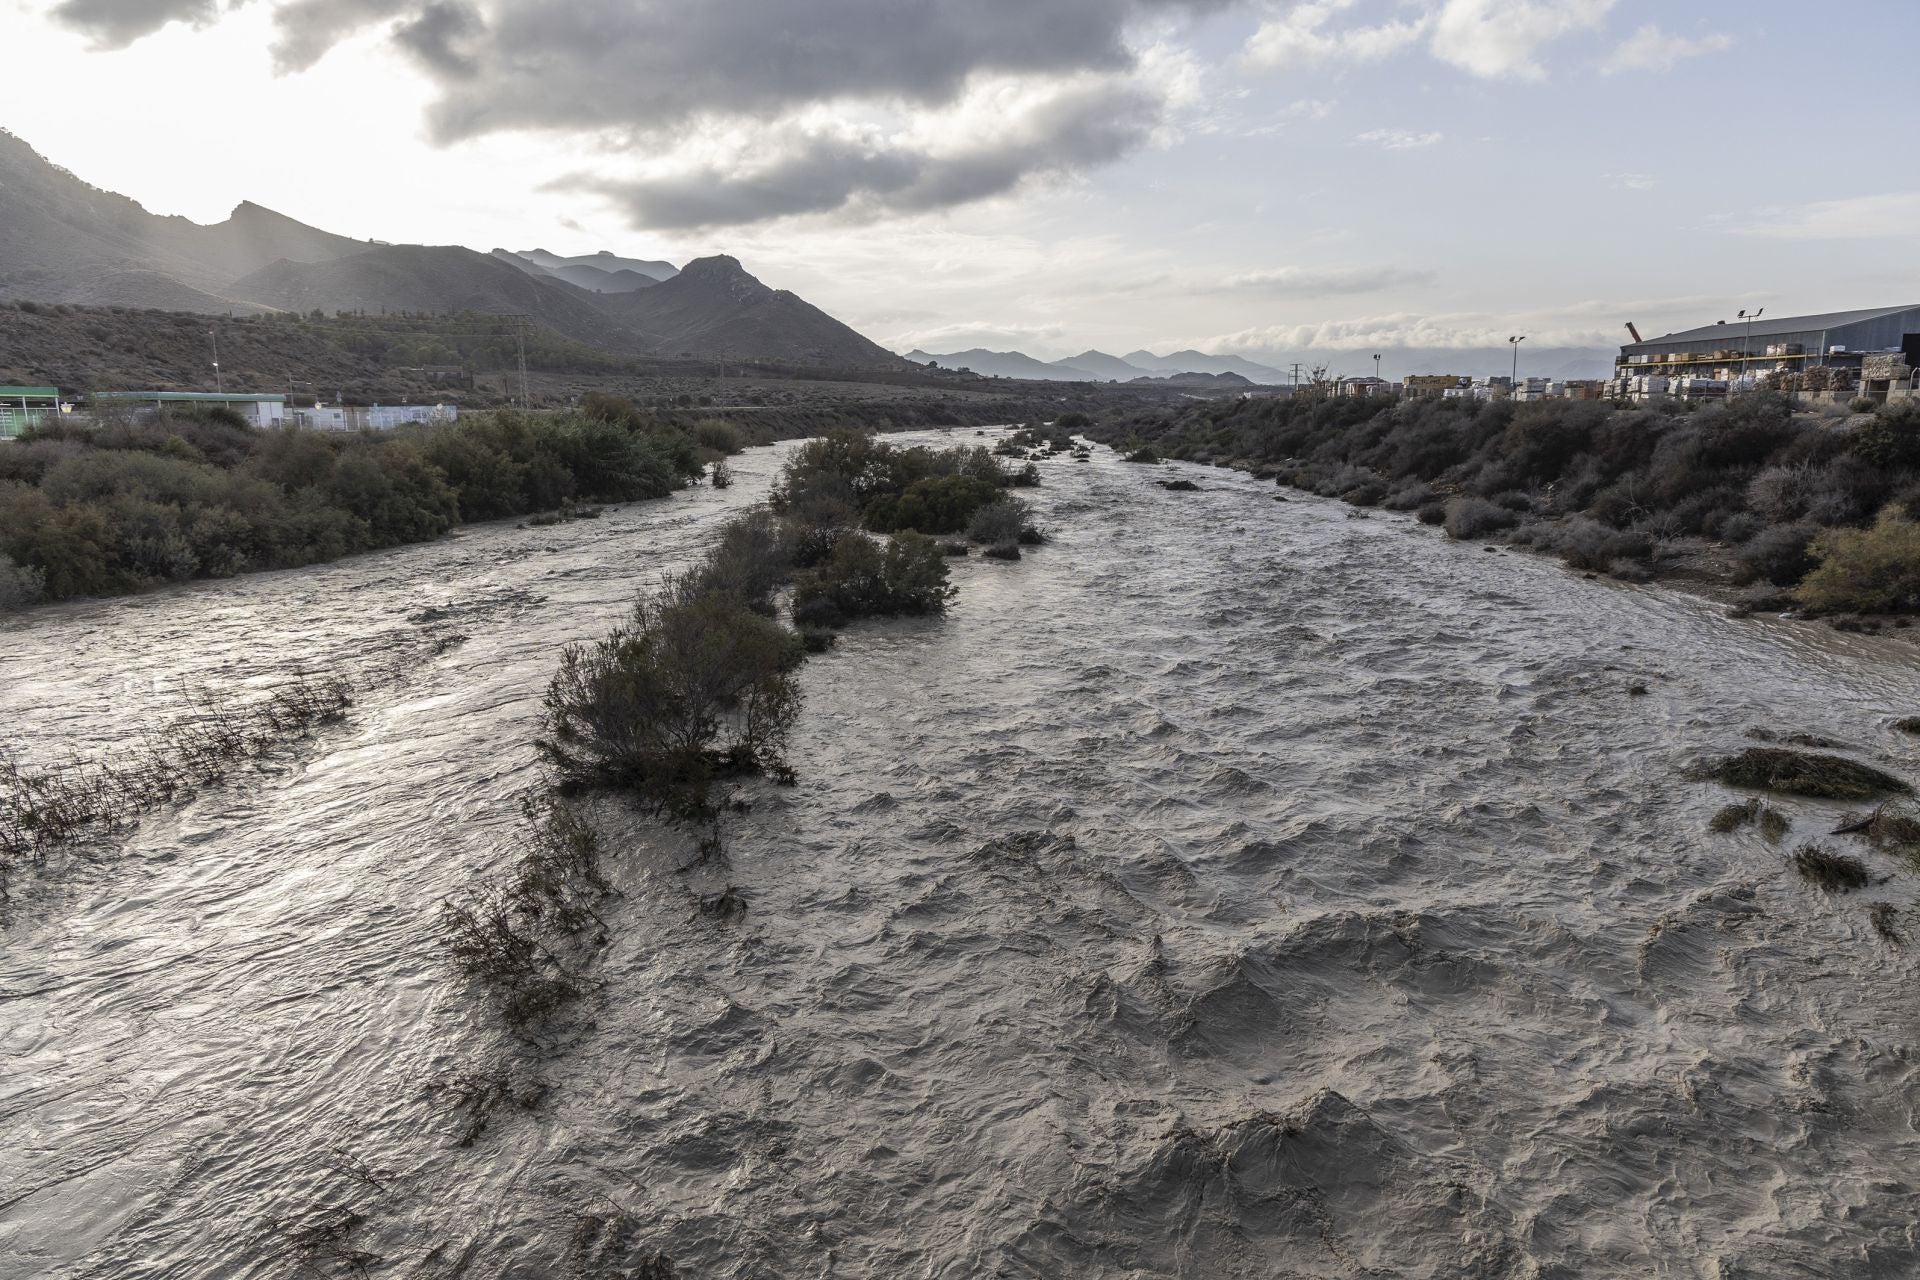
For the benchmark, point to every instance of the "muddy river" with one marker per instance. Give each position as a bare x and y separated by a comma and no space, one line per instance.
1228,888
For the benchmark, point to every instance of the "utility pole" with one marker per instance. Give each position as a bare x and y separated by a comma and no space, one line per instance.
520,338
217,387
1746,348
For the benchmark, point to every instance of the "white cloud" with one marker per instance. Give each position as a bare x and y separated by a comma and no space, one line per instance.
1399,139
1320,282
1501,39
1632,181
1492,39
1455,332
1300,37
1858,218
967,335
1652,49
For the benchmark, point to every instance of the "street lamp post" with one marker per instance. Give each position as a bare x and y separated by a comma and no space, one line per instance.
1376,367
1746,348
217,387
1513,388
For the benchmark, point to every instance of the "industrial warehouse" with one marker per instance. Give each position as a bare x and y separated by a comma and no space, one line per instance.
1870,353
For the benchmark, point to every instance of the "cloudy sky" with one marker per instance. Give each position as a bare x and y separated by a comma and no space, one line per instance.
1273,176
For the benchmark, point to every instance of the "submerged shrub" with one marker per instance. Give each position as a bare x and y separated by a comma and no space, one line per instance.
862,579
1803,773
1589,545
941,504
999,522
1831,872
693,688
749,562
1468,517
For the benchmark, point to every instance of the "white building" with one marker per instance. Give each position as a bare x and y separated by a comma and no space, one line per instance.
379,417
259,411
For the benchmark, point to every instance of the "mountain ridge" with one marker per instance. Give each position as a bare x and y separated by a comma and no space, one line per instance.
65,240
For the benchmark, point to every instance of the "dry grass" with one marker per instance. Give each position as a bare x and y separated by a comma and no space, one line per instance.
1882,915
1829,871
43,808
513,938
1773,824
1805,774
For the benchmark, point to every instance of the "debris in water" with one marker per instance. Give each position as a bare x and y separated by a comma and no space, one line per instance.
1803,774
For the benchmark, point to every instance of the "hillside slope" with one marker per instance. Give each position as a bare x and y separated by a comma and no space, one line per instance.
438,279
714,308
64,240
1009,364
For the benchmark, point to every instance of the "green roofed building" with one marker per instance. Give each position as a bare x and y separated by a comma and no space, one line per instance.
259,411
23,407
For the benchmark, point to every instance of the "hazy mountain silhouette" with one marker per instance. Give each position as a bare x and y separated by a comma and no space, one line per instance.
63,240
714,308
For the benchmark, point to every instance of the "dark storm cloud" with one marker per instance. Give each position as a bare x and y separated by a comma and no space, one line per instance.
653,63
308,28
437,36
1077,130
114,24
621,64
647,70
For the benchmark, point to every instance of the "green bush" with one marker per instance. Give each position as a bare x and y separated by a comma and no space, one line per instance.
719,435
940,504
19,586
1873,570
862,579
1000,522
166,498
749,562
695,687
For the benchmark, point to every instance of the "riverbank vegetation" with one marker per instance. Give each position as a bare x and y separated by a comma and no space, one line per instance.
48,807
1817,511
697,687
103,510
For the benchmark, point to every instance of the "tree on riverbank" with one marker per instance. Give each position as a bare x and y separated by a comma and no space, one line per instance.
171,497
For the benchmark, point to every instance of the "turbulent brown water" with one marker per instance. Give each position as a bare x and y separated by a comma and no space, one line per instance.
1229,888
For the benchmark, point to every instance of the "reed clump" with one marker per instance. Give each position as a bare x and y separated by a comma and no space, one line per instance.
1830,872
1772,823
521,939
1805,774
43,808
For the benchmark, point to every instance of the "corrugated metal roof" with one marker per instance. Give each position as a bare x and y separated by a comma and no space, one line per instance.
188,397
1767,326
32,393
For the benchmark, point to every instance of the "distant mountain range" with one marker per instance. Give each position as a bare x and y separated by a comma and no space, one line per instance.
597,273
1098,366
62,240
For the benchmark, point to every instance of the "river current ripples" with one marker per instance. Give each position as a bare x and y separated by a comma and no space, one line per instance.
1228,888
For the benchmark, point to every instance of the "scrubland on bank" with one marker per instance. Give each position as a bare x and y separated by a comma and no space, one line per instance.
1813,511
123,505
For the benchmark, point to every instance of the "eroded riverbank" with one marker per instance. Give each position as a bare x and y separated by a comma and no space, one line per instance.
1228,888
